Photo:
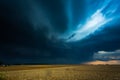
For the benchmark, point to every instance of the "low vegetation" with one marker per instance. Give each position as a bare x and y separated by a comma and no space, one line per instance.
2,76
75,72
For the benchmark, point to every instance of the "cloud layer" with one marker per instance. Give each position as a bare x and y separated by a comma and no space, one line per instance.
30,31
107,55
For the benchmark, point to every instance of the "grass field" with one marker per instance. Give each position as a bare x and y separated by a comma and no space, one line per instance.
60,72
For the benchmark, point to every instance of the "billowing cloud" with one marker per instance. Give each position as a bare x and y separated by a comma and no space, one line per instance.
107,55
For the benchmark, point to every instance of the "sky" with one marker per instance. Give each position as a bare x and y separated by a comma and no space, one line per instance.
59,31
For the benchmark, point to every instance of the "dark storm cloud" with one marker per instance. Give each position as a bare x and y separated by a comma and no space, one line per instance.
27,25
43,55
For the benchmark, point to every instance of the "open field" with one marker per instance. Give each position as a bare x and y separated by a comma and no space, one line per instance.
60,72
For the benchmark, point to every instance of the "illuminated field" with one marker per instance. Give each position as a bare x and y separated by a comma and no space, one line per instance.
60,72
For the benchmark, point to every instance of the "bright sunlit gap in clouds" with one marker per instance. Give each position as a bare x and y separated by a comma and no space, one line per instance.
96,21
99,18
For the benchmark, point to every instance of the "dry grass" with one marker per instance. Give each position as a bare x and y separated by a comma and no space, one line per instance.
75,72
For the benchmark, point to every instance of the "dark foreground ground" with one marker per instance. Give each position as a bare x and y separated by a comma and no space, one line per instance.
60,72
